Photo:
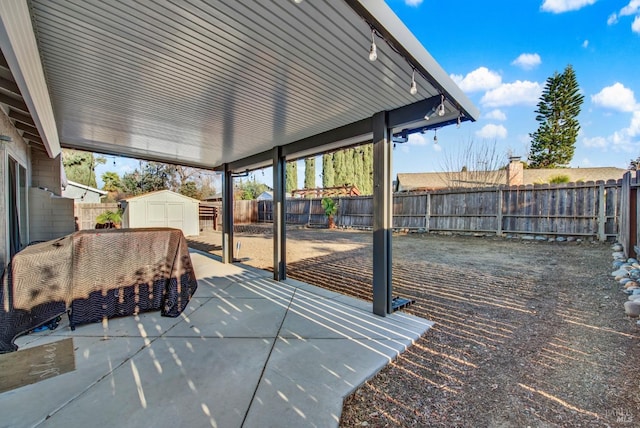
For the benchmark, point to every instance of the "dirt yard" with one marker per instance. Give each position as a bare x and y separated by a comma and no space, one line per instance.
527,333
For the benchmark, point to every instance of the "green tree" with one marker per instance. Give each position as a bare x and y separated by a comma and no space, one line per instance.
151,176
553,144
367,166
338,168
358,167
111,182
328,173
80,166
349,170
249,189
190,189
292,176
310,173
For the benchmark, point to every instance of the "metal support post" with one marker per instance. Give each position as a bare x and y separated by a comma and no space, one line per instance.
279,215
382,215
227,215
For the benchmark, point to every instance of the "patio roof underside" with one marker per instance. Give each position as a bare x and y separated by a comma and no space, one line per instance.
204,83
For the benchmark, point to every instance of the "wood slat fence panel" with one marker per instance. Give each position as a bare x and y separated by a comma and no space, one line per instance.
87,213
574,209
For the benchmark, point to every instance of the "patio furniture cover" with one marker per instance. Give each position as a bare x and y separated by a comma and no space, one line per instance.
95,274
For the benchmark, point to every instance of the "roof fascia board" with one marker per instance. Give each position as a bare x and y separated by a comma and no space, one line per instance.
18,43
378,14
334,139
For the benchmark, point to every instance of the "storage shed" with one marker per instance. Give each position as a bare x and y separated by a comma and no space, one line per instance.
163,208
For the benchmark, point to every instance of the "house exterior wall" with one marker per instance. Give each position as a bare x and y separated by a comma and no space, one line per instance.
18,150
45,172
51,216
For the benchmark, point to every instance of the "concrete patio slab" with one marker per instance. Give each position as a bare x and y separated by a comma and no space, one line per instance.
236,317
95,358
306,380
247,352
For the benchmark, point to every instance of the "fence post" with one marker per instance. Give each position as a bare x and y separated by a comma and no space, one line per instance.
428,215
499,213
633,219
602,215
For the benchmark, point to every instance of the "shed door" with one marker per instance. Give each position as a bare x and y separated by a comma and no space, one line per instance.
156,216
175,215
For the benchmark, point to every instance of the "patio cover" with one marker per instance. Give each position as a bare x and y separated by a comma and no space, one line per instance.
227,84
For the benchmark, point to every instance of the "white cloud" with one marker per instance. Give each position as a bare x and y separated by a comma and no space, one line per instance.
491,131
413,2
527,61
634,128
595,142
635,26
495,114
417,139
624,140
480,79
511,94
631,9
616,97
585,44
559,6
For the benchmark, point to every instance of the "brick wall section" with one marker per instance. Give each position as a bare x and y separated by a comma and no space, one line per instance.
45,172
51,216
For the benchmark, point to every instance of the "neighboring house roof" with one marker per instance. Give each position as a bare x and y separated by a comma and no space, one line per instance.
407,182
157,192
267,195
85,187
214,197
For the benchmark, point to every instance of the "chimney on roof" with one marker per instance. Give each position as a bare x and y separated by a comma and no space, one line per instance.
515,171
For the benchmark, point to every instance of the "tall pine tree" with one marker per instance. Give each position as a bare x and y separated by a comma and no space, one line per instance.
292,176
310,173
338,168
358,170
553,144
328,173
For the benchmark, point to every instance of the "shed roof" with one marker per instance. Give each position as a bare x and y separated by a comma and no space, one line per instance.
204,83
85,187
160,192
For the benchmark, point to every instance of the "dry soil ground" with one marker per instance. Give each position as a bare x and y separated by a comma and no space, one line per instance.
527,333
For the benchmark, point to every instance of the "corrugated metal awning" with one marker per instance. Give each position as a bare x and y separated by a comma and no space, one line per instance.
207,82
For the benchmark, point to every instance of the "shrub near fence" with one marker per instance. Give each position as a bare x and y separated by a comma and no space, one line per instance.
573,209
86,214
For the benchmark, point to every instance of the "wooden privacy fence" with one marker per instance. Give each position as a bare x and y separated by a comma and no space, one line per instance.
574,209
244,212
628,235
86,214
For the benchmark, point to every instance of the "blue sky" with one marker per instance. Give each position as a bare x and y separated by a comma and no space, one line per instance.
501,53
